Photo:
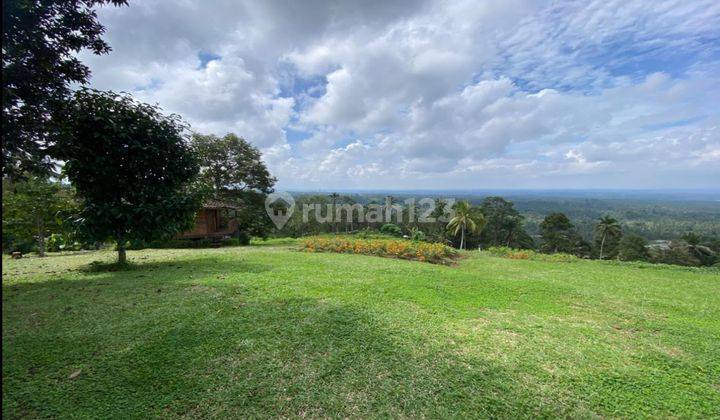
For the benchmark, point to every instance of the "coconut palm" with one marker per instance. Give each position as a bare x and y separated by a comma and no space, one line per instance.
607,227
465,220
334,197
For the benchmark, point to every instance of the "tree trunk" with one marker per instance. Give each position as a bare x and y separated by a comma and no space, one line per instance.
335,221
122,257
462,238
602,245
41,237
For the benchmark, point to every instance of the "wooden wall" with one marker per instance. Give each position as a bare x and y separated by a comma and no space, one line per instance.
206,225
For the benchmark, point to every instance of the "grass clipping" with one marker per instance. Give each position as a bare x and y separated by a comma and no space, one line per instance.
393,248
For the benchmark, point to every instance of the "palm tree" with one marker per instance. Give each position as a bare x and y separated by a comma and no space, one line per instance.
464,220
350,219
388,207
606,227
334,197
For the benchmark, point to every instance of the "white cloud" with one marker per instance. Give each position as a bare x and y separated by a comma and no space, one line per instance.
424,94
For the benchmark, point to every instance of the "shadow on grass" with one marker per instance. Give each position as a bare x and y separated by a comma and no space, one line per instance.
218,350
212,262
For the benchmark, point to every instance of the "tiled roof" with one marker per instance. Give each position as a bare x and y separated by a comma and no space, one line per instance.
220,204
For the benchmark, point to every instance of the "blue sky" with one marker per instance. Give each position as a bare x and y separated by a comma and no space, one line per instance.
456,94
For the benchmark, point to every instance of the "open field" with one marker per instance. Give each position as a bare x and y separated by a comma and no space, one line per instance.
266,330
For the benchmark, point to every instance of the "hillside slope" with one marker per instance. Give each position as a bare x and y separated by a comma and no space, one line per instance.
259,331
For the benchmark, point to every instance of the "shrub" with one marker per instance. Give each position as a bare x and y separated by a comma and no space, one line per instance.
63,242
528,254
365,233
183,243
391,229
243,238
395,248
21,246
417,235
519,255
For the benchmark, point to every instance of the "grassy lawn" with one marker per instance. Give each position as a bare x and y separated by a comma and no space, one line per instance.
266,330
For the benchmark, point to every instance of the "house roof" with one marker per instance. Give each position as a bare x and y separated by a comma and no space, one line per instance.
220,204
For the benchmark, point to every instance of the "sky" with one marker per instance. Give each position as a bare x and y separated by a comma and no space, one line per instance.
437,95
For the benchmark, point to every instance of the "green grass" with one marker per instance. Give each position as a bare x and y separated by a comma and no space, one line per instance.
266,330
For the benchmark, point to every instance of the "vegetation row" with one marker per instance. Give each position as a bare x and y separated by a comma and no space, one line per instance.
395,248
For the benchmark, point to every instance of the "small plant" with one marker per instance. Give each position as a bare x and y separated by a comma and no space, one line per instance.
365,233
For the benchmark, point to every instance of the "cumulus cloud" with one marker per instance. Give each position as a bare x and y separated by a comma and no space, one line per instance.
417,94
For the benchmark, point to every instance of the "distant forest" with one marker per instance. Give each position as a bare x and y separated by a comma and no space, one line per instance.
660,216
650,219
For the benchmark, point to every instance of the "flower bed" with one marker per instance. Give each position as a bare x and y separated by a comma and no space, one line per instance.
528,254
394,248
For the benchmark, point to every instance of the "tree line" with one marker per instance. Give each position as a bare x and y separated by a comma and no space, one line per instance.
496,222
82,166
133,189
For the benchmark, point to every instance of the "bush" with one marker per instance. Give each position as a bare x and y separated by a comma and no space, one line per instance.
528,254
391,229
24,247
365,233
369,233
417,235
243,238
58,242
183,243
633,248
395,248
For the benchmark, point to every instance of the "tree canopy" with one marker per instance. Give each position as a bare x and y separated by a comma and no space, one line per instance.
633,248
34,208
234,170
230,163
39,63
131,166
504,225
557,233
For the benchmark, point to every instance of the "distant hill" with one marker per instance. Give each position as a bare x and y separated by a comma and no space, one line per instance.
653,214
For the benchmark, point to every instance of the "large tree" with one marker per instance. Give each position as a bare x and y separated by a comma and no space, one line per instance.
34,208
504,224
234,170
231,163
41,39
633,248
131,166
557,233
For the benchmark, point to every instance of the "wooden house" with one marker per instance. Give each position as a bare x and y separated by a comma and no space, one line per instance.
215,220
